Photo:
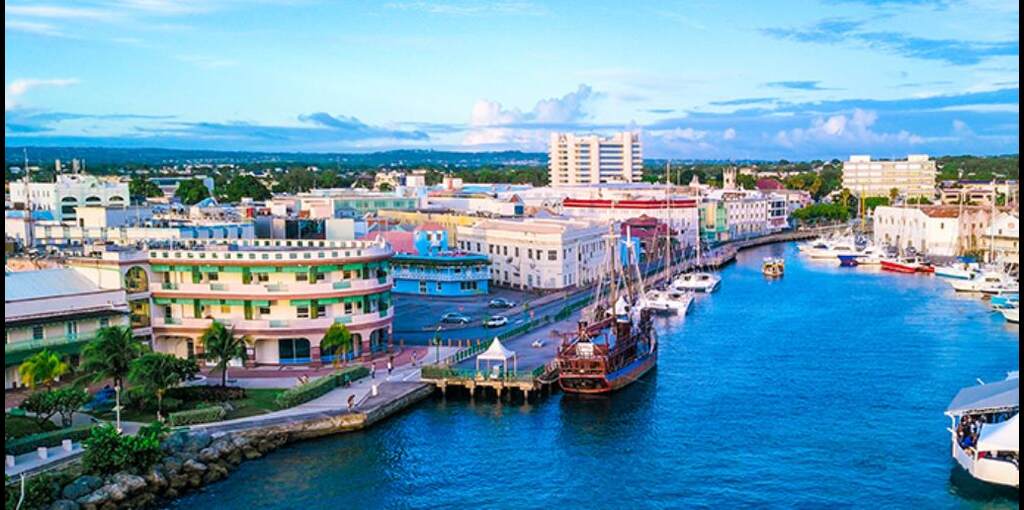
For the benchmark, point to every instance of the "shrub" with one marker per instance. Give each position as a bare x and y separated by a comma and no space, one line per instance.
49,439
40,491
108,451
205,393
196,416
320,387
144,400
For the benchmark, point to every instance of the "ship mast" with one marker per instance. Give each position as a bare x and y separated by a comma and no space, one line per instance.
668,222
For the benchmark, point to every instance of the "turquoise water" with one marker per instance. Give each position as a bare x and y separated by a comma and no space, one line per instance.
824,388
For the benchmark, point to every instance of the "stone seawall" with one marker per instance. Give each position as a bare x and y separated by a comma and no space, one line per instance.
203,455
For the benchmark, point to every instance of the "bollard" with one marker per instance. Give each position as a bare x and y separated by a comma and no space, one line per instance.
66,445
42,452
9,461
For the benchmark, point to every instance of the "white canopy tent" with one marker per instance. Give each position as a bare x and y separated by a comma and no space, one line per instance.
498,352
1000,437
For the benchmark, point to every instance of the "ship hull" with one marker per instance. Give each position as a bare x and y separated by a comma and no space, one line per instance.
602,384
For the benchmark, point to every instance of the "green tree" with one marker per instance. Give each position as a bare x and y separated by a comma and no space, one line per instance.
222,346
244,186
337,341
142,187
191,191
42,368
111,353
63,401
158,372
894,193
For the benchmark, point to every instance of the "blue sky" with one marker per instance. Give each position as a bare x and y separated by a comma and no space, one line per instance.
699,79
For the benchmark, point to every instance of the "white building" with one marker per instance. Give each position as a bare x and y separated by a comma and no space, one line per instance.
543,254
913,177
594,159
748,213
1004,235
934,230
67,192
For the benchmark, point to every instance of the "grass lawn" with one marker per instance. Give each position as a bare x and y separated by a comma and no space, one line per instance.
20,426
257,401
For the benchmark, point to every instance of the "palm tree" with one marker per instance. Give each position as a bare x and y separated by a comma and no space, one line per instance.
894,193
337,340
110,354
44,367
222,346
157,372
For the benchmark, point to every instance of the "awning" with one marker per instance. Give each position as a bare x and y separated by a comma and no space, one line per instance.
1000,437
986,397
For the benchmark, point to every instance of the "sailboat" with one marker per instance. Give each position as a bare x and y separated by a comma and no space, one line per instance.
697,281
615,344
668,300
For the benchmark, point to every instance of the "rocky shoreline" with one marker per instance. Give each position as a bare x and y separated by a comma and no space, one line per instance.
201,456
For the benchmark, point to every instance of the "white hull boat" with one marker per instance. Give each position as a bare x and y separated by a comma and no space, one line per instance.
1011,315
667,301
957,271
697,282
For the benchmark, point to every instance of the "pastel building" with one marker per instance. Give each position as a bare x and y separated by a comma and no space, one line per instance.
912,177
425,264
58,310
67,192
281,294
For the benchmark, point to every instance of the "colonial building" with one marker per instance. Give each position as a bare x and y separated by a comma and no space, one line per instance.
935,230
1002,238
55,309
67,192
542,254
425,264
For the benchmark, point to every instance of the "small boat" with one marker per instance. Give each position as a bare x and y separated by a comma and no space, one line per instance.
959,270
849,260
667,301
773,267
697,282
905,265
991,282
1012,315
1005,300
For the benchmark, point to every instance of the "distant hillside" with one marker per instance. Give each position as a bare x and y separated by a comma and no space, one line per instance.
44,156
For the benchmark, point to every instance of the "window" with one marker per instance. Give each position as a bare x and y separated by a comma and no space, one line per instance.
212,277
38,333
225,309
423,290
71,329
301,277
104,322
439,286
264,309
321,310
302,312
552,255
263,277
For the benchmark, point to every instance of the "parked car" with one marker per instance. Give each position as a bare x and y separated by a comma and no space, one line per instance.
455,318
501,303
496,321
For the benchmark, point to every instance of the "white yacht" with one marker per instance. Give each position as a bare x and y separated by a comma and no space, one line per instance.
667,301
958,270
1012,315
985,430
829,249
698,281
987,283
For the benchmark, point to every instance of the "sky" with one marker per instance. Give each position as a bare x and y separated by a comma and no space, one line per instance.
698,79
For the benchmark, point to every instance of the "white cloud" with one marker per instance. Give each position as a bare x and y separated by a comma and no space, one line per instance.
18,88
491,123
729,134
687,134
855,129
32,27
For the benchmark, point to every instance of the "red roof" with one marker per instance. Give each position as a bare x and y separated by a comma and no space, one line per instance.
769,184
400,240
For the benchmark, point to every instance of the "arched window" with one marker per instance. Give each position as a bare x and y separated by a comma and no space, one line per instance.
136,280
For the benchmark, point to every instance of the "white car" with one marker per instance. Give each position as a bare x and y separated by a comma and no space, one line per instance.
495,321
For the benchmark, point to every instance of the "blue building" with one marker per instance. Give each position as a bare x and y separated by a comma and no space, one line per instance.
425,264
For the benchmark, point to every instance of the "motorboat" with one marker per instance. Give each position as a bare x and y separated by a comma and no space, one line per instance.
1012,315
906,265
698,281
868,256
958,270
1005,300
990,282
667,301
985,430
830,250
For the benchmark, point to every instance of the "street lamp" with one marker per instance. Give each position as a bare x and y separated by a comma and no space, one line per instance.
437,346
117,407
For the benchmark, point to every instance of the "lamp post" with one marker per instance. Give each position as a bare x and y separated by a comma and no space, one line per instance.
437,346
117,407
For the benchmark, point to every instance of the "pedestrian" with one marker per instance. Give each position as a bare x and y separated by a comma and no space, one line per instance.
351,403
391,366
414,359
373,370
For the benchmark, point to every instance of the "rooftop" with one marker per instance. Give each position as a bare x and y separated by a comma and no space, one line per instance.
45,283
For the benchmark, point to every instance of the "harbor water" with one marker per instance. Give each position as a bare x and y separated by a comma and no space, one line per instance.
825,388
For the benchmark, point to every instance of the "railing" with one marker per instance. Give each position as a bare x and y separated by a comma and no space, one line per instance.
258,324
25,345
441,276
266,289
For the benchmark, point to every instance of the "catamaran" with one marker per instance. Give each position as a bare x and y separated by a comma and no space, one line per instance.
616,343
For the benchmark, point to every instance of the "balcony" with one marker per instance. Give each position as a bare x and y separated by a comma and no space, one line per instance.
273,290
243,326
406,274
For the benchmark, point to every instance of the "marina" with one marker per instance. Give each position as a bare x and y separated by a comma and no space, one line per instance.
741,377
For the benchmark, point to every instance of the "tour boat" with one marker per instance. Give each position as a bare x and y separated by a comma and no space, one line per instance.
1011,314
773,267
615,344
985,431
697,282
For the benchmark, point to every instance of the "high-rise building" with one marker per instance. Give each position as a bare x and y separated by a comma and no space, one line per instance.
593,159
912,177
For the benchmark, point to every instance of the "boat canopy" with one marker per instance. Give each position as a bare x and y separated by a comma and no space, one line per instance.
496,352
1000,437
986,397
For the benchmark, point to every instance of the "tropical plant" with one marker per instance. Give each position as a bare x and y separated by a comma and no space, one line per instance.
894,193
67,401
191,191
157,372
337,341
111,353
221,346
108,451
42,368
